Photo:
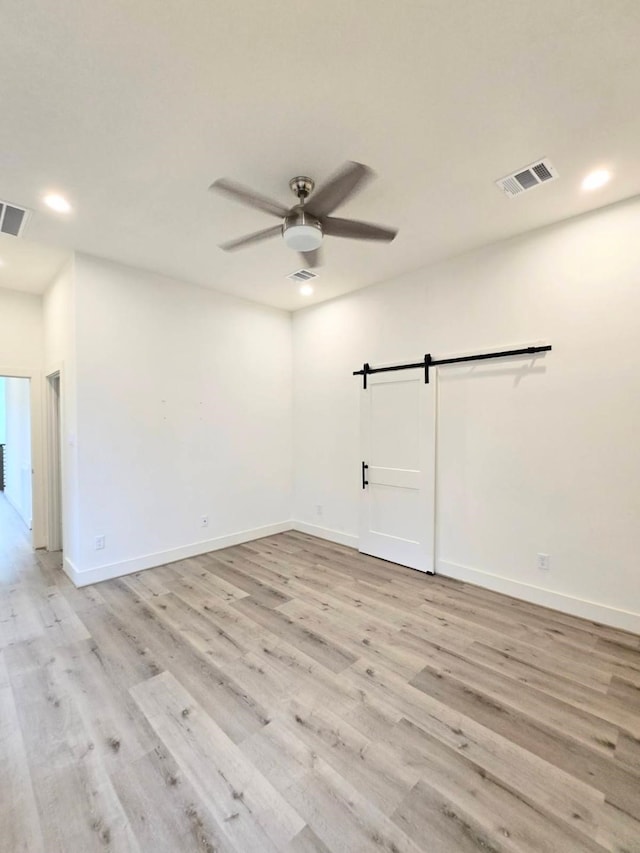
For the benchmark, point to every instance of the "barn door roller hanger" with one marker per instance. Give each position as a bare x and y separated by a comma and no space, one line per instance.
429,362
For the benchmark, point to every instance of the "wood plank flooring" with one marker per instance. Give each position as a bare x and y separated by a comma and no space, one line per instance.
292,695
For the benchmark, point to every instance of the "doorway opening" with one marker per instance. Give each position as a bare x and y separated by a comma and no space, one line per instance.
16,466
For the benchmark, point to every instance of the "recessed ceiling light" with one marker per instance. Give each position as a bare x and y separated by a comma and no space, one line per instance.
596,179
57,202
1,262
306,289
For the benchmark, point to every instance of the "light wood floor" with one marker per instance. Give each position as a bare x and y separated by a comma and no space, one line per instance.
292,695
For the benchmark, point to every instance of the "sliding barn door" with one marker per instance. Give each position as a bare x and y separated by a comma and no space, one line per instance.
397,510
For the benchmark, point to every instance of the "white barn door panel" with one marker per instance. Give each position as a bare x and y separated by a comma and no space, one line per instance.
397,509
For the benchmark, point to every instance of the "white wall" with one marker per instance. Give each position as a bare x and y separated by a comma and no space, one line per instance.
530,459
183,410
59,317
17,453
21,330
59,312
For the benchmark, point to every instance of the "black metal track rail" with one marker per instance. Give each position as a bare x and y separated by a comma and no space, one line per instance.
428,362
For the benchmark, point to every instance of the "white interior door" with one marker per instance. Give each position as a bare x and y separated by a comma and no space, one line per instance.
397,510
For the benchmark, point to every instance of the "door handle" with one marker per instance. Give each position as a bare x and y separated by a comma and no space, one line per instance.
365,482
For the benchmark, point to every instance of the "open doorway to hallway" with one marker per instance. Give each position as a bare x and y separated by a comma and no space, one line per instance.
15,542
15,438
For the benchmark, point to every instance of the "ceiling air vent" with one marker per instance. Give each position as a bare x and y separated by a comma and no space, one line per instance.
12,219
302,275
527,178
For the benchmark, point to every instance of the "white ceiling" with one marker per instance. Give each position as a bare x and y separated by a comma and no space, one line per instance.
131,108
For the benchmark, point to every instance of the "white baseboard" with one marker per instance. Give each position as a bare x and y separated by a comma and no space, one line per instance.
150,561
616,618
327,533
70,570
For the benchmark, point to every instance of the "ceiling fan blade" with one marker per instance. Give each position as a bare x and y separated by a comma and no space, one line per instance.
248,197
248,239
355,230
346,182
312,259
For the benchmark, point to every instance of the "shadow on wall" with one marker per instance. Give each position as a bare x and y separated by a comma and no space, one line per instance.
519,372
15,434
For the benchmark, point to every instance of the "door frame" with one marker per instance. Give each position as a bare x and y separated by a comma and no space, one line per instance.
53,412
38,479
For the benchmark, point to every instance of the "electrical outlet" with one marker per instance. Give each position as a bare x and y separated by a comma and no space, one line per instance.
319,510
100,541
542,562
204,521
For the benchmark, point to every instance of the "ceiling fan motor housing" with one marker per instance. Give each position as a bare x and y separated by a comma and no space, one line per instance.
301,231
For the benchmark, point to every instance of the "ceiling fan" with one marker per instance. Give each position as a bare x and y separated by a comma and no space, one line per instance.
305,224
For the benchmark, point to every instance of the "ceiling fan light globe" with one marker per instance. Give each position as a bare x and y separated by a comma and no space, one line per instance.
303,238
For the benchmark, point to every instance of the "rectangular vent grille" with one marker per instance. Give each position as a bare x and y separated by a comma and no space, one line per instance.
528,178
302,275
12,219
